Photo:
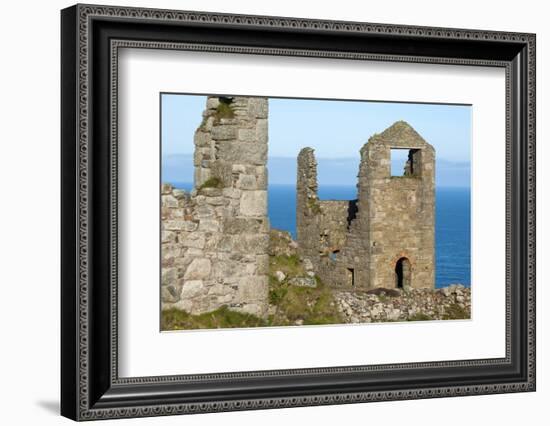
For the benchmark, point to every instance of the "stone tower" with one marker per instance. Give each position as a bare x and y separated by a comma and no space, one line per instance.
400,210
385,238
215,239
307,207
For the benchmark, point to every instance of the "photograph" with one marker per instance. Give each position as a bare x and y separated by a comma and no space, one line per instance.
304,212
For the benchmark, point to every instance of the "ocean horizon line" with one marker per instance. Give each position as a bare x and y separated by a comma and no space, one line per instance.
319,184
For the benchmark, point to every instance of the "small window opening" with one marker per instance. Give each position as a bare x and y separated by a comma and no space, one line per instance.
405,162
334,255
350,277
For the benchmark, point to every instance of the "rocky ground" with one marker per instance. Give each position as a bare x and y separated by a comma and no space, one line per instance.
298,297
386,305
376,305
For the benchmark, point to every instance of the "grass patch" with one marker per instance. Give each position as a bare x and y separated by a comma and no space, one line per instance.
174,319
277,291
455,311
213,182
290,265
224,110
310,306
419,317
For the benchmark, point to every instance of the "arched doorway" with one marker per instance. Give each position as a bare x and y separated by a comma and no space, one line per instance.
403,273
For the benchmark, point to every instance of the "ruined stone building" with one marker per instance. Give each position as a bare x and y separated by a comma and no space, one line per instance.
385,238
214,240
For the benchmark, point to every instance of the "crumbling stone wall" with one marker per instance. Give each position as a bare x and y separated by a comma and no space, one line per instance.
327,230
359,243
215,239
308,208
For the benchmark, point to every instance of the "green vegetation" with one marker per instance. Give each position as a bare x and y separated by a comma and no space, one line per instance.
174,319
290,304
383,298
455,311
213,182
314,205
302,305
224,110
289,265
293,304
419,317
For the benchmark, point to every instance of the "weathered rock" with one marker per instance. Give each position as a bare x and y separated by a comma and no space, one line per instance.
253,203
191,289
179,225
179,194
168,275
193,239
302,282
308,265
166,189
169,201
281,243
169,293
280,276
247,182
199,269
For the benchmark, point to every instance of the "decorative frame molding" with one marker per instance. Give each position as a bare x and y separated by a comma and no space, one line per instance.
91,37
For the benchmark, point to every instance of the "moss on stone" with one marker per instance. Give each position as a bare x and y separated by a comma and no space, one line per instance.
213,182
314,206
224,110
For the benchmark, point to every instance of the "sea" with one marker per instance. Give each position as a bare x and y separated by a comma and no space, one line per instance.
452,224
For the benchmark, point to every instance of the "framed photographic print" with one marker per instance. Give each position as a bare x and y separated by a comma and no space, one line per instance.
263,212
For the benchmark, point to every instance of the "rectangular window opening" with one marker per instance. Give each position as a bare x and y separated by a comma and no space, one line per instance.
351,277
404,162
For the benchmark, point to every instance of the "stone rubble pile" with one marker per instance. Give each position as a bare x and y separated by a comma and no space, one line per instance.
381,305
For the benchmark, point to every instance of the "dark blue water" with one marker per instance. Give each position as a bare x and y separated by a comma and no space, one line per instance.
452,224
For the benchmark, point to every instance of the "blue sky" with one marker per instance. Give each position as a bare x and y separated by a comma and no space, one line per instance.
335,129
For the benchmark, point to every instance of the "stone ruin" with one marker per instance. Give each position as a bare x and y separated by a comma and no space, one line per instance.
214,240
385,238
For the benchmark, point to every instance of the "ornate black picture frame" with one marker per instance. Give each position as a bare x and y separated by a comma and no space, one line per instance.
91,387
